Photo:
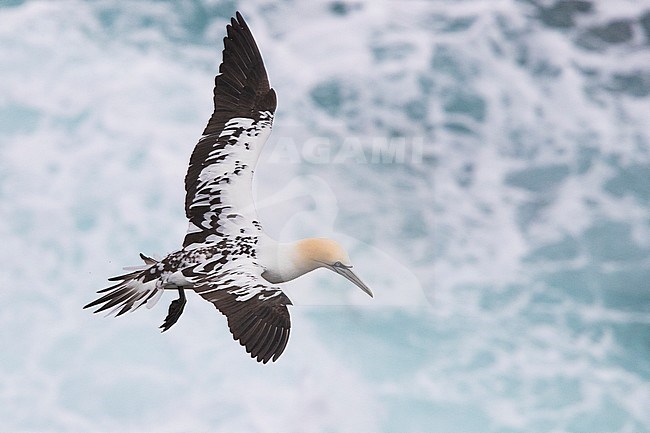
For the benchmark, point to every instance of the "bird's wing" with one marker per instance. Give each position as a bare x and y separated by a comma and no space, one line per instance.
218,183
219,201
257,312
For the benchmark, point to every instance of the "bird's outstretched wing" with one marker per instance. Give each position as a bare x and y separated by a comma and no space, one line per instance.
218,183
257,313
219,201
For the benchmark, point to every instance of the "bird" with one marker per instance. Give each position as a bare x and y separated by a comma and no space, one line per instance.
226,256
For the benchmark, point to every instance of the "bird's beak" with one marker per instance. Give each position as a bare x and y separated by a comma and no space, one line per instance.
347,273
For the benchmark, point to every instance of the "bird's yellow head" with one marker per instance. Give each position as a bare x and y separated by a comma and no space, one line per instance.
329,254
322,250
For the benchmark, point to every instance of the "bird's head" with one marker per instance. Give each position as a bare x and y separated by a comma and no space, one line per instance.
326,253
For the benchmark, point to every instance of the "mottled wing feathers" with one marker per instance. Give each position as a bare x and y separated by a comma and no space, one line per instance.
219,177
219,200
257,314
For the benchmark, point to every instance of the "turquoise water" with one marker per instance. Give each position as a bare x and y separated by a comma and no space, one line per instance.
508,245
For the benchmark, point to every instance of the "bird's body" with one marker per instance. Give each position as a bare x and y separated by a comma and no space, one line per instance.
226,256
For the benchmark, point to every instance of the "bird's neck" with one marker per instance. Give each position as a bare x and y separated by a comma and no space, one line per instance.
283,262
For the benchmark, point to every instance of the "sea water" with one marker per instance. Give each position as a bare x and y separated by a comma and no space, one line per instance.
486,163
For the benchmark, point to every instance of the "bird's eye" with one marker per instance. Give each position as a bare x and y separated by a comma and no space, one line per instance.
338,264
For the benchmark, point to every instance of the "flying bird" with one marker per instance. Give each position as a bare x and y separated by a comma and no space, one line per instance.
226,257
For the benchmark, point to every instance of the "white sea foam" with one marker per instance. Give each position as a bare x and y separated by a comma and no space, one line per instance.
510,265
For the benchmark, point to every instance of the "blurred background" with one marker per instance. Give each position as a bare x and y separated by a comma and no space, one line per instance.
502,221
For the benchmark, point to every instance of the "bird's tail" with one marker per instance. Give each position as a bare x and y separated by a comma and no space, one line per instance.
138,287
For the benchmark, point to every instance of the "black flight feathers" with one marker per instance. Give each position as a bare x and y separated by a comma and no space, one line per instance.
260,323
242,86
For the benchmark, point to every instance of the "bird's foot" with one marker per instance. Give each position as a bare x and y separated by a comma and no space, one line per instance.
175,311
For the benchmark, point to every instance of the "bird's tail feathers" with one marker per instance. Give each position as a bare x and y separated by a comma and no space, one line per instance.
134,289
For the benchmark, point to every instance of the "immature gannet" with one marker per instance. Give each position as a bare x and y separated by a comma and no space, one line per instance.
226,256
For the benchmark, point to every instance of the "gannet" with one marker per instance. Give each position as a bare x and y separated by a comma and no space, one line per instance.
226,257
